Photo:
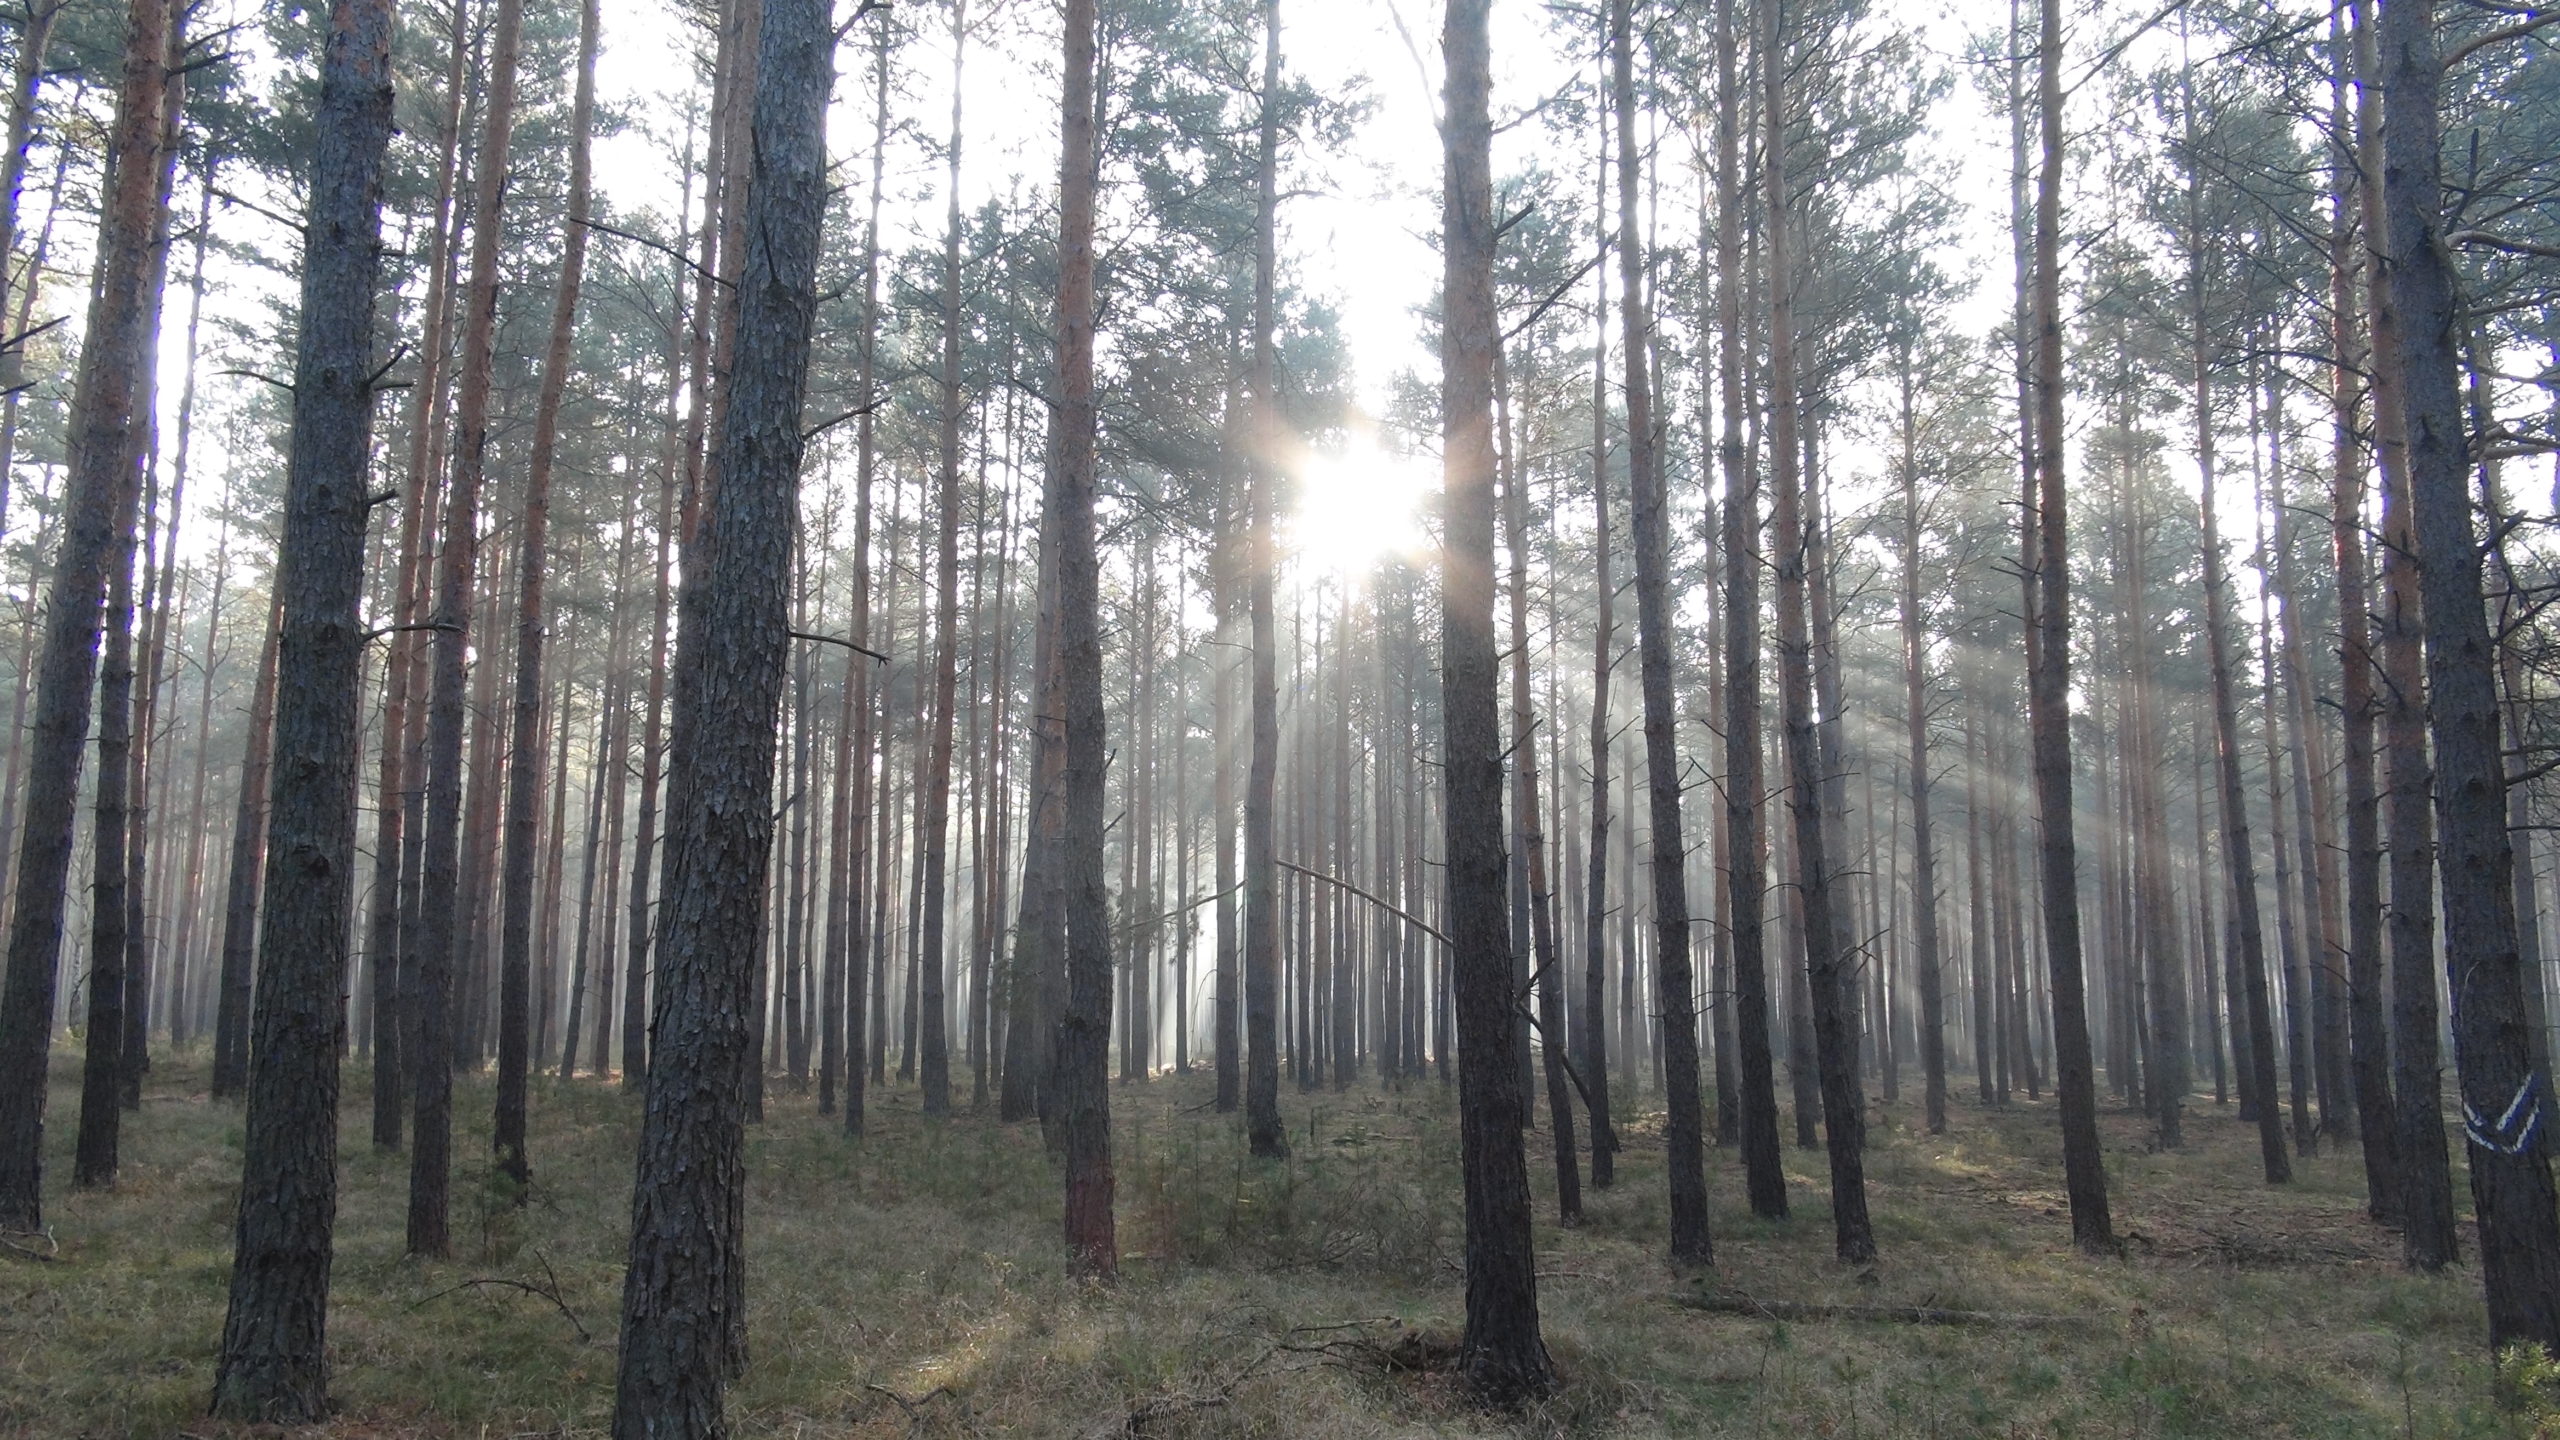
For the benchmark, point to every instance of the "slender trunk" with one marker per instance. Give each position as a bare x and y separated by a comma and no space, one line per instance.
443,941
2049,668
1684,1129
1746,819
1261,873
1081,1098
123,315
524,759
1829,974
1924,860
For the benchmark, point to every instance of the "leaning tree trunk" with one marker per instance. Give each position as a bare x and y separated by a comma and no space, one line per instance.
2493,1034
682,1335
274,1362
124,311
524,760
1684,1125
1502,1355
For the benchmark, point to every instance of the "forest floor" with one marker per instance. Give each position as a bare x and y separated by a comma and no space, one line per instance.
911,1285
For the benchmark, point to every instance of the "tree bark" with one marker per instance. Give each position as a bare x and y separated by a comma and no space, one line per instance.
683,1325
273,1367
1684,1126
1261,874
1829,976
1745,818
444,938
2049,688
524,758
2494,1039
1081,1095
124,311
1502,1356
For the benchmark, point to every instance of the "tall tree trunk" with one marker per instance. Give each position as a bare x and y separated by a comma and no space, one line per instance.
683,1325
1081,1098
443,940
387,940
273,1367
1746,819
934,823
2049,688
2239,856
2369,1038
1261,872
116,975
2426,1177
1684,1126
1924,859
2494,1039
124,310
1594,1030
524,759
1829,974
1502,1355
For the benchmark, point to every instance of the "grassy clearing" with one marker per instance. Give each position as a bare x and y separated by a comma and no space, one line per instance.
911,1286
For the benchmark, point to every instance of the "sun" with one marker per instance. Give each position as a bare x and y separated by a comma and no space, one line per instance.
1357,504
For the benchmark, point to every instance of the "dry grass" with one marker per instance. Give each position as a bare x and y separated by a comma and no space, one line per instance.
911,1286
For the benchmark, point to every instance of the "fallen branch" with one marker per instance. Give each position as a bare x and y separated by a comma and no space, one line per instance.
548,1290
15,1241
1891,1314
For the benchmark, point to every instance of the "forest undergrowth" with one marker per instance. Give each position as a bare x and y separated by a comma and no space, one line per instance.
911,1285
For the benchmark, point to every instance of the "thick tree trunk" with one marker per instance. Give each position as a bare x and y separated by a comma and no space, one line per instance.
273,1367
2494,1040
124,309
1502,1355
683,1326
2426,1177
